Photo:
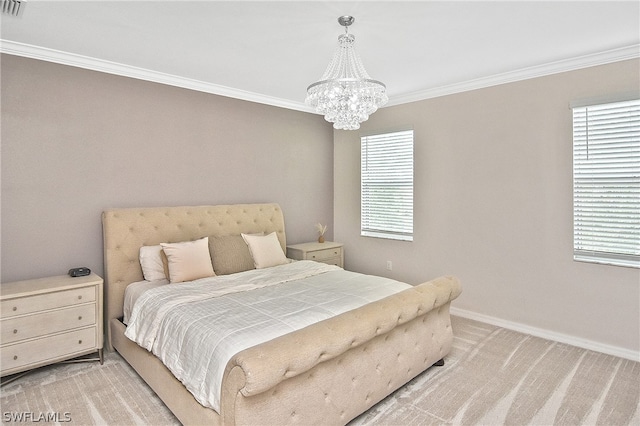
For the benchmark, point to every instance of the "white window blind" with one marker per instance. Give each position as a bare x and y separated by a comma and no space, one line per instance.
606,183
387,185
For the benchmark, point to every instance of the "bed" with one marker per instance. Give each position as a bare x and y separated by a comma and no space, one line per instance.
327,372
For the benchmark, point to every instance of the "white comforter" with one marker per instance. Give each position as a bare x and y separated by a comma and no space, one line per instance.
195,328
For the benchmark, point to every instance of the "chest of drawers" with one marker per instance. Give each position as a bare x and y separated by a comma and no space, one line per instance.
328,252
48,320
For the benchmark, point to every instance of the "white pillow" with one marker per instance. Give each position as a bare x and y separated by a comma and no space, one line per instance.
151,263
188,260
265,250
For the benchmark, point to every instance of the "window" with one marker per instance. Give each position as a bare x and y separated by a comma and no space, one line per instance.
606,183
387,185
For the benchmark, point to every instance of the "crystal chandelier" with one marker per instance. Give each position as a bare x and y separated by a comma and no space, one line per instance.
345,94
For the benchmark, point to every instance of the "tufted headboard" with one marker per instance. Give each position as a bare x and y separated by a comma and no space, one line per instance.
126,230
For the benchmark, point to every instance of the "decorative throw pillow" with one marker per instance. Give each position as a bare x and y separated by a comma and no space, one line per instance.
230,254
151,263
265,250
188,260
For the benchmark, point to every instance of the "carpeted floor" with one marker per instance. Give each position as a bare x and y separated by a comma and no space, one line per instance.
492,376
84,394
495,376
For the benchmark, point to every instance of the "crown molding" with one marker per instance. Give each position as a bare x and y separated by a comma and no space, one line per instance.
601,58
64,58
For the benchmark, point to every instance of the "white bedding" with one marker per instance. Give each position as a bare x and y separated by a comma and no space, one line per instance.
195,328
135,290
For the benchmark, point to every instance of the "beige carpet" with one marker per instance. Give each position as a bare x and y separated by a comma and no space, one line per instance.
493,376
85,394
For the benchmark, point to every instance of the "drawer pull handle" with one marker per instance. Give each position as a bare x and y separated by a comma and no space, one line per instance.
15,357
80,318
79,297
15,308
15,331
79,342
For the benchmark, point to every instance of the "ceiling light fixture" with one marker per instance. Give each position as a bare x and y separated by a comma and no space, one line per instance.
345,94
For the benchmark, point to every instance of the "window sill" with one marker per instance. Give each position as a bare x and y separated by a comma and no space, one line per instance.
626,263
386,236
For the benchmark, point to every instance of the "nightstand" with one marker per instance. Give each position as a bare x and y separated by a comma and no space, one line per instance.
327,252
47,320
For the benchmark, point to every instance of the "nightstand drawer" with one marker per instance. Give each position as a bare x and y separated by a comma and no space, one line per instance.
321,255
337,261
40,324
39,351
41,302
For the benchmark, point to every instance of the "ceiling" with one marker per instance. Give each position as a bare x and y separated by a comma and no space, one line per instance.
270,51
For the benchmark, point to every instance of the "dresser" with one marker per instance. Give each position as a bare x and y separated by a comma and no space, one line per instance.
327,252
47,320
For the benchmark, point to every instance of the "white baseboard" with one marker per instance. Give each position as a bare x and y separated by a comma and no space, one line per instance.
549,335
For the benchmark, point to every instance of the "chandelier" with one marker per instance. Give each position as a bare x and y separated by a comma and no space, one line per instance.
345,94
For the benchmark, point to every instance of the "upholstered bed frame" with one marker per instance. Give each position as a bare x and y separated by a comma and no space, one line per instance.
327,373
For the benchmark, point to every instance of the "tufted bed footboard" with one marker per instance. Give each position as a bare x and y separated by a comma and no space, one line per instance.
332,371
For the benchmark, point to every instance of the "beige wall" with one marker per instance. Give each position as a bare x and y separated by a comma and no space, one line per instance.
76,142
493,205
492,191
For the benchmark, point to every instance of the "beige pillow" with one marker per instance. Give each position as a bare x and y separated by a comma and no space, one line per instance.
265,250
230,254
188,260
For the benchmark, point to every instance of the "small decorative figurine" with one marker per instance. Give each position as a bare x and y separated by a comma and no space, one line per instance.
321,230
